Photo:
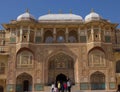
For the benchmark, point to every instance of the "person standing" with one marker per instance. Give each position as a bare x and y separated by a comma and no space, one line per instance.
52,87
59,86
69,85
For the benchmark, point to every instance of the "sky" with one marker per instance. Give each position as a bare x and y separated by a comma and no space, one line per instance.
11,9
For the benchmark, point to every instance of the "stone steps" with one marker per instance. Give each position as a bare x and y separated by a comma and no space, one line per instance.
76,89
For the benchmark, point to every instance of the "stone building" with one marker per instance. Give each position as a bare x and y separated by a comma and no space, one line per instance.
36,52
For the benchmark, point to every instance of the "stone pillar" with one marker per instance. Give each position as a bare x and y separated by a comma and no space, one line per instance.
42,35
28,37
92,33
21,33
54,34
100,34
66,35
35,35
79,34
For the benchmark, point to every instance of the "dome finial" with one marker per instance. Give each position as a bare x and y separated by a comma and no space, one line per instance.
49,11
92,10
70,11
27,10
60,11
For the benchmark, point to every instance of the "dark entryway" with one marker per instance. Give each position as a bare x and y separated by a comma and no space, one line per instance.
1,89
119,87
61,78
25,85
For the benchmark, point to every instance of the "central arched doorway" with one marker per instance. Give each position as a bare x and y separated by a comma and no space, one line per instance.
1,89
60,67
24,83
61,78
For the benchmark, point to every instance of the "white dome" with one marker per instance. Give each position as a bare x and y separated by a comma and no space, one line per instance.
25,16
62,17
92,16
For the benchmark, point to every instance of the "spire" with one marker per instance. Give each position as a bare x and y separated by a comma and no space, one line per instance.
92,10
49,11
60,11
27,10
70,11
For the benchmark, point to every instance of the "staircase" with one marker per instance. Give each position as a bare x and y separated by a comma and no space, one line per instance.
76,89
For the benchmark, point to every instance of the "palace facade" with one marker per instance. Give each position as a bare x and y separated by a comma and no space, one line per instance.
36,52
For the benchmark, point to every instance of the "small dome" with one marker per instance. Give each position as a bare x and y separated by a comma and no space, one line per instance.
92,16
61,17
25,16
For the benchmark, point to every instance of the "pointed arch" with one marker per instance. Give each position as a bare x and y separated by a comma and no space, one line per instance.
96,57
60,36
97,80
24,58
48,36
60,63
73,37
24,82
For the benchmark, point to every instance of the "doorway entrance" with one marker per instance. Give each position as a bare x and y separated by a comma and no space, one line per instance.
1,89
59,66
61,78
24,83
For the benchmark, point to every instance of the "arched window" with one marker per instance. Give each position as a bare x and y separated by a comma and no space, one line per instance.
25,59
96,57
97,80
2,68
48,37
73,37
60,39
118,67
60,36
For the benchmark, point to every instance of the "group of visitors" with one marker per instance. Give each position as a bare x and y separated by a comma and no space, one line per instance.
61,86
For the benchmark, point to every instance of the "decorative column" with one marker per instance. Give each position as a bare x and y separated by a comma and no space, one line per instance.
28,40
21,33
54,34
42,36
100,34
78,34
66,34
35,35
92,33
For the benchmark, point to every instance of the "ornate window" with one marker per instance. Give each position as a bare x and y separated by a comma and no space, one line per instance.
49,39
25,59
83,37
13,36
73,37
48,36
60,37
2,68
96,58
107,36
61,61
97,80
38,37
96,34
